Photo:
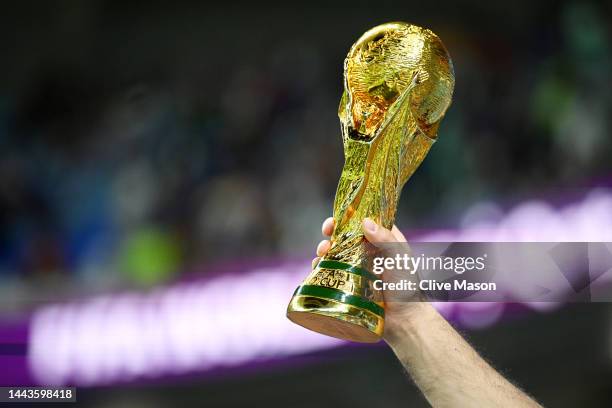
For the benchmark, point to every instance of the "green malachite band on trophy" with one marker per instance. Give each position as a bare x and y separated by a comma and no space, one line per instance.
329,293
328,264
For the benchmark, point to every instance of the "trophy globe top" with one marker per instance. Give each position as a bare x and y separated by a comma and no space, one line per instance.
395,64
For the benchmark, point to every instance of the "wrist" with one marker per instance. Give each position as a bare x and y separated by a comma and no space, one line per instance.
407,320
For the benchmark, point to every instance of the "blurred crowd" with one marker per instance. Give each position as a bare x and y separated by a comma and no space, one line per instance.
138,145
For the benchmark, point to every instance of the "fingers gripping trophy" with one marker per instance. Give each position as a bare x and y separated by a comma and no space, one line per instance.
398,83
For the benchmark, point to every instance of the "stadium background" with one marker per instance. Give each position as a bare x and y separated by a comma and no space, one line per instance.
143,143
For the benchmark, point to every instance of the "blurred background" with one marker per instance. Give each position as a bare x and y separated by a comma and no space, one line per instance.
145,144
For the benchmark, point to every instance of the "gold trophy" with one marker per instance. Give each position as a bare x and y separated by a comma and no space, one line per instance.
398,83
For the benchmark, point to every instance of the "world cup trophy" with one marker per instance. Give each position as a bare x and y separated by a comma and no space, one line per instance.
398,83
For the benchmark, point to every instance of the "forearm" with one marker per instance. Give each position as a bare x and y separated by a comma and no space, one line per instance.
444,366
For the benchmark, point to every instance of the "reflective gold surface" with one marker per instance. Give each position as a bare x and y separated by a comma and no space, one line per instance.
398,83
336,319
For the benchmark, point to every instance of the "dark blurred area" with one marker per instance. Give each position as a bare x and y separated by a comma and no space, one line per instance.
142,141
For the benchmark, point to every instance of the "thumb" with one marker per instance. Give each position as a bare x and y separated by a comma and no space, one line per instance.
390,244
377,234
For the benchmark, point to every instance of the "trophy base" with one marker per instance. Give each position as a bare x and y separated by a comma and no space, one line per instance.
336,319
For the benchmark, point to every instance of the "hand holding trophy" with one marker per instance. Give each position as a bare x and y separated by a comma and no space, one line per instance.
398,83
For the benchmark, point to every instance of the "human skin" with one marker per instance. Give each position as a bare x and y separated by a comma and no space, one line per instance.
447,370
